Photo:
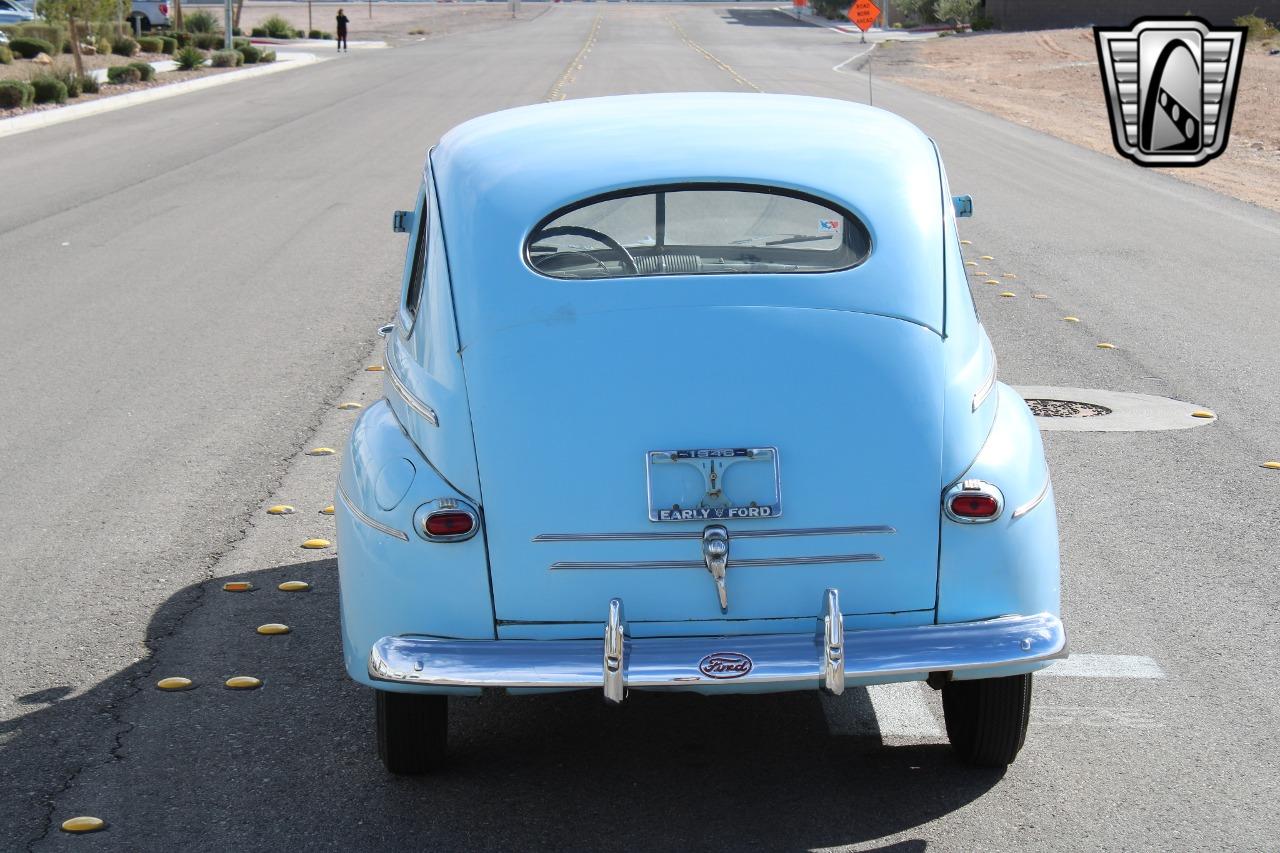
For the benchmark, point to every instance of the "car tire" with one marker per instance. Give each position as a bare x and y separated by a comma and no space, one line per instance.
987,718
412,731
146,23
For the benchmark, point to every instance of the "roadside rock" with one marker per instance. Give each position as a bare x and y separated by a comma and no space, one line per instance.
42,59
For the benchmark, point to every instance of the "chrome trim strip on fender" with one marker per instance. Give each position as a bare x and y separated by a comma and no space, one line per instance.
697,534
797,661
742,563
984,390
374,523
1034,502
428,413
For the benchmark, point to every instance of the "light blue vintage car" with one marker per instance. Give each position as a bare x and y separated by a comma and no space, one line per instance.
688,392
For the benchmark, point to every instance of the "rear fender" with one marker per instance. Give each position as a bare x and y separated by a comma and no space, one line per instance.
393,581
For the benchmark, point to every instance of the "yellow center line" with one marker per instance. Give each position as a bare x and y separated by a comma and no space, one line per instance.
724,66
575,64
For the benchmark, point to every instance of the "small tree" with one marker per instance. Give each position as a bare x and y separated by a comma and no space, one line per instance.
957,11
75,12
916,11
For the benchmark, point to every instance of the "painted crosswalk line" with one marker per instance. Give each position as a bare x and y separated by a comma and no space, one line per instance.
1105,666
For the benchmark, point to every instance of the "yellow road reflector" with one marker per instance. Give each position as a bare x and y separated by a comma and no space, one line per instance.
992,281
281,509
273,628
237,586
348,406
321,451
1007,275
966,242
84,823
1272,464
243,682
374,368
981,272
294,586
985,258
970,263
1072,319
1008,294
316,544
1039,296
1106,346
175,682
327,510
1202,413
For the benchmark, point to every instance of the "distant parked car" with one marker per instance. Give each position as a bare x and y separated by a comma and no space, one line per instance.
150,13
14,13
692,397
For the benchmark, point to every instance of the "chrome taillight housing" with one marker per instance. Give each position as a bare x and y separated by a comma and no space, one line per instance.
446,520
973,502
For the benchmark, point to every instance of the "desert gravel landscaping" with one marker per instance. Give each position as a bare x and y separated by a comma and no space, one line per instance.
1049,80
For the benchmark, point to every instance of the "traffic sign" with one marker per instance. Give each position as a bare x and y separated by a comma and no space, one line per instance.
863,13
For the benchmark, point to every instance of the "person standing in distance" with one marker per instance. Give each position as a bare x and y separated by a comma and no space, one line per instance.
342,32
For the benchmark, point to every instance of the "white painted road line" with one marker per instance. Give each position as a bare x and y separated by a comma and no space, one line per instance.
1105,666
887,710
859,55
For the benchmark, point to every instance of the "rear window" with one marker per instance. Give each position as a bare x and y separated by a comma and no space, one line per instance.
697,230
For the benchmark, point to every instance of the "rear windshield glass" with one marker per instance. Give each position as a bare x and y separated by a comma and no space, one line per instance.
697,230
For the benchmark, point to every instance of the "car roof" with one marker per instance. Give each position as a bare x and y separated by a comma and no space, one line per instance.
497,176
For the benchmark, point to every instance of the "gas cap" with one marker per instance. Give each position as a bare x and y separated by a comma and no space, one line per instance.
393,483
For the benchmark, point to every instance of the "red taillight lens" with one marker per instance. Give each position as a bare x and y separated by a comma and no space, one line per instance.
974,506
164,8
449,523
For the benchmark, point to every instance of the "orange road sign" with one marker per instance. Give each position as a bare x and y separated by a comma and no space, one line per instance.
863,13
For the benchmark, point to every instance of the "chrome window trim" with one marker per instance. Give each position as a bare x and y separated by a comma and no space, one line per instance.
697,534
374,523
428,413
984,390
981,487
740,563
1034,502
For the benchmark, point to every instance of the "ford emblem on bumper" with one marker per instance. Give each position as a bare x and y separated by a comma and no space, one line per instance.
725,665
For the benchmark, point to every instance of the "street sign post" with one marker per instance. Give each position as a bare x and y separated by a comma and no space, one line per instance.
798,5
863,13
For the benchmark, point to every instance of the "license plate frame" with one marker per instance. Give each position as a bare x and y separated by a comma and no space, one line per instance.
758,498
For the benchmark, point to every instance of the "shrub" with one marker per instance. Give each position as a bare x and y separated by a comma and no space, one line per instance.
916,12
54,34
267,56
145,72
325,35
168,45
957,11
235,31
89,85
150,44
123,74
277,27
189,58
299,34
15,93
30,48
982,22
124,46
48,89
69,78
200,21
250,53
258,33
183,38
236,44
1258,27
314,34
226,58
102,45
209,41
6,55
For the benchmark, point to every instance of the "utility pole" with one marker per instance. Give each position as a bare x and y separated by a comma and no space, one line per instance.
227,24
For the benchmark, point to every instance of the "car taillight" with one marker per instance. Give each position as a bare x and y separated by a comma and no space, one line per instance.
164,8
449,524
446,520
973,501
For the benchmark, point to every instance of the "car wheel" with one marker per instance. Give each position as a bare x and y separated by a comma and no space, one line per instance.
987,718
143,19
412,729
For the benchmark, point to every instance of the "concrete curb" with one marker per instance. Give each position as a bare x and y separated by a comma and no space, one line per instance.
48,118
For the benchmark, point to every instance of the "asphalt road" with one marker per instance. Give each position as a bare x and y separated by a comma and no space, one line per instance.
189,287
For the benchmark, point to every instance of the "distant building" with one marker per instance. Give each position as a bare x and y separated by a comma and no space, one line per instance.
1041,14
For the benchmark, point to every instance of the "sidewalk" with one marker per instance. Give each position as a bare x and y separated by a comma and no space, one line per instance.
874,35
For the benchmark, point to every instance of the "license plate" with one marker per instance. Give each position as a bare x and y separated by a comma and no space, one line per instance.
713,484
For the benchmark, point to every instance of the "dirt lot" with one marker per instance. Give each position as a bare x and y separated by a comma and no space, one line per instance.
390,22
1049,80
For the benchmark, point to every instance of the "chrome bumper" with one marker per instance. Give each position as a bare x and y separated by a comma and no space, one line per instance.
828,657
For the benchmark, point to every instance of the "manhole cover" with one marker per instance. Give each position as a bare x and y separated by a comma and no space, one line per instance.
1065,409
